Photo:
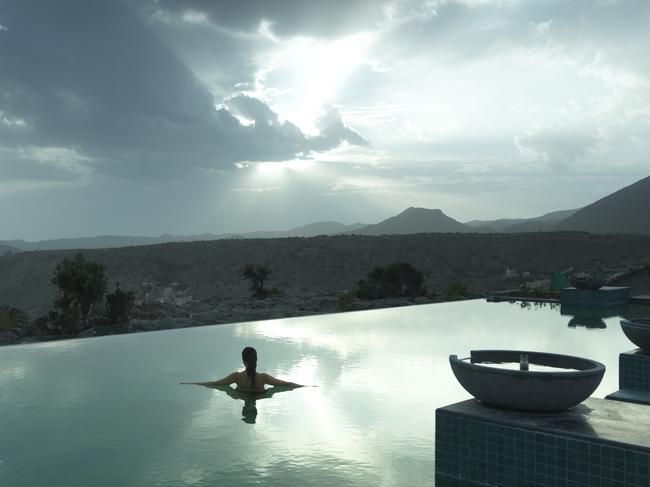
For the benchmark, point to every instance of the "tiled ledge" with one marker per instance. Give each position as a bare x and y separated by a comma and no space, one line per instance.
627,395
598,443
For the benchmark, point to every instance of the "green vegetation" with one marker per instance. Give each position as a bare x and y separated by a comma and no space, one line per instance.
346,299
12,317
276,291
400,279
119,305
81,285
256,274
456,290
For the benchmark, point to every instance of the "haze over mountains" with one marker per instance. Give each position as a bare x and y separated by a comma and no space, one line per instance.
517,225
625,211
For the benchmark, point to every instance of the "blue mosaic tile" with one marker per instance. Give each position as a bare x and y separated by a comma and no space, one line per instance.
476,452
634,371
605,296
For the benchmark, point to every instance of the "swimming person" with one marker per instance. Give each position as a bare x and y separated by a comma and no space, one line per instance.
249,380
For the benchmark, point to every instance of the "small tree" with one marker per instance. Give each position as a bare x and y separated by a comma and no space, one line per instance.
119,305
395,280
256,274
81,284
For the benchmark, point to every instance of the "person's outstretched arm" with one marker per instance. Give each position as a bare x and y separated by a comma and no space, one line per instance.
221,382
272,381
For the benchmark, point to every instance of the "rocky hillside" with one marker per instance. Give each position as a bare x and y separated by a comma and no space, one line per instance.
7,249
210,270
625,211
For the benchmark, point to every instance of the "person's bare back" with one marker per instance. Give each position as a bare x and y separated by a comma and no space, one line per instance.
248,381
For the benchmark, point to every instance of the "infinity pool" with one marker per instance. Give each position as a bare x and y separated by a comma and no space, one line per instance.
110,411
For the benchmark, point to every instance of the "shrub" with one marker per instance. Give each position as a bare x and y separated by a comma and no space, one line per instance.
456,290
276,291
256,274
395,280
81,284
119,305
11,317
347,298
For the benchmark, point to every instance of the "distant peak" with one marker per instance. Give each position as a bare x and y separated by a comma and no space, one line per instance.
414,209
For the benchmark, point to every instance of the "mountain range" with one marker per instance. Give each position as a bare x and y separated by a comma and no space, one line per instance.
625,211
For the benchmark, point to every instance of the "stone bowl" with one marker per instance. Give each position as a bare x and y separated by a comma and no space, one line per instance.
638,331
587,282
524,390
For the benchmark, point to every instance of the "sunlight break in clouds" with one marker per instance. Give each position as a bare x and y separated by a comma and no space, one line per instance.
300,76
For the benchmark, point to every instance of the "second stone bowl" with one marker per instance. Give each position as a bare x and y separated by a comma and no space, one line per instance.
583,281
638,331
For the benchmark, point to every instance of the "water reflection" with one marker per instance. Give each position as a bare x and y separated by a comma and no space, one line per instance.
591,317
249,410
586,316
536,305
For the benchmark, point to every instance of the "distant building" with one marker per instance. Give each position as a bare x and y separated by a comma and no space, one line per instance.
541,284
511,273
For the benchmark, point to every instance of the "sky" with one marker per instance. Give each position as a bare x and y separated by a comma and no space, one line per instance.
143,117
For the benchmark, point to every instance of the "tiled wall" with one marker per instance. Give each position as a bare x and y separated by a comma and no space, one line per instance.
634,372
494,454
605,296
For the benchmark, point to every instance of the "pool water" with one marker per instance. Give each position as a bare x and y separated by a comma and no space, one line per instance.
109,411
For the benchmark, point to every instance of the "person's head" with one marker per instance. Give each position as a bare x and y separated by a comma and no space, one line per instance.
249,357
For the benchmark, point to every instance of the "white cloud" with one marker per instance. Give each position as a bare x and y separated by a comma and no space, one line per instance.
541,28
258,189
12,122
195,18
66,157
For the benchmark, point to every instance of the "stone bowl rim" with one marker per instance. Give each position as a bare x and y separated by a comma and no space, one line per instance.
634,323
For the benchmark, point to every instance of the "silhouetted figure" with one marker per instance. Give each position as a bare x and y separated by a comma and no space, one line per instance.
248,380
250,385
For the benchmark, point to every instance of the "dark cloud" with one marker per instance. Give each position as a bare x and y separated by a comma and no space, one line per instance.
316,18
333,132
93,77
